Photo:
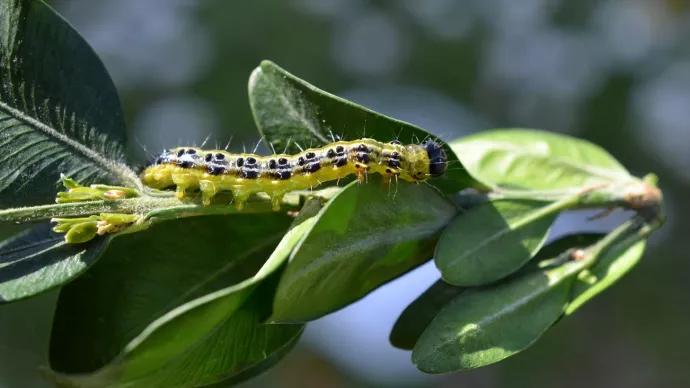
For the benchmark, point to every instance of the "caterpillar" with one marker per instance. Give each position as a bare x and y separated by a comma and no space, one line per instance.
213,171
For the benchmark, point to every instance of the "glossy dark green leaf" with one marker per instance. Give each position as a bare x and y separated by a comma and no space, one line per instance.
536,160
288,110
156,299
38,259
363,238
421,312
608,269
493,240
59,110
239,347
485,325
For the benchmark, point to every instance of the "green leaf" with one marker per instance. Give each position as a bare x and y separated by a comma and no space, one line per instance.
493,240
262,367
156,300
59,110
288,110
563,244
485,325
37,260
248,347
609,268
363,238
421,312
536,160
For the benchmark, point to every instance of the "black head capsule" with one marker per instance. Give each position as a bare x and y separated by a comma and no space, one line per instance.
438,161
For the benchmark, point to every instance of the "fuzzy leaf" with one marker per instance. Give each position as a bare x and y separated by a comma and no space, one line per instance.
59,110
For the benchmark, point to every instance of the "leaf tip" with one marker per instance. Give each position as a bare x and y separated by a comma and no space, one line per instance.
267,64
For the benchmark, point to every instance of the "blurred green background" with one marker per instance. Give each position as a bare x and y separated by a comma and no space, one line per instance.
616,72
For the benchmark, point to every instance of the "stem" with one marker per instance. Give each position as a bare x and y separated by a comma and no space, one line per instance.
635,194
159,207
74,209
634,229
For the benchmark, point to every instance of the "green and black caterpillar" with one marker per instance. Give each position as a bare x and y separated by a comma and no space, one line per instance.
213,171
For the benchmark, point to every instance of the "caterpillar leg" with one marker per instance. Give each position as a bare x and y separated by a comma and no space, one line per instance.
180,192
240,198
275,201
362,170
183,182
239,203
208,191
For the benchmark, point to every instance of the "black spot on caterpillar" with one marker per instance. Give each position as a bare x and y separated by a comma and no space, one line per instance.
213,171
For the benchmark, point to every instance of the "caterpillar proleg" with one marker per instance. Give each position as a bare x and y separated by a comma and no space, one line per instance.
213,171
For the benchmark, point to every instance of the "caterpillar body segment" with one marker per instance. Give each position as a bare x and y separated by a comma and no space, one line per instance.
213,171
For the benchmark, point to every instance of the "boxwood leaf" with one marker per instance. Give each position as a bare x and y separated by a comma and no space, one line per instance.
288,110
363,238
153,314
38,259
422,311
485,325
536,160
59,110
492,240
261,367
248,347
608,269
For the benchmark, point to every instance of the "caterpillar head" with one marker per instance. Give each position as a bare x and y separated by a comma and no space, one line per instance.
438,161
426,160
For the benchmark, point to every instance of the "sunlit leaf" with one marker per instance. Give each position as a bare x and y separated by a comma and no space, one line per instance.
536,160
605,272
422,311
363,238
485,325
